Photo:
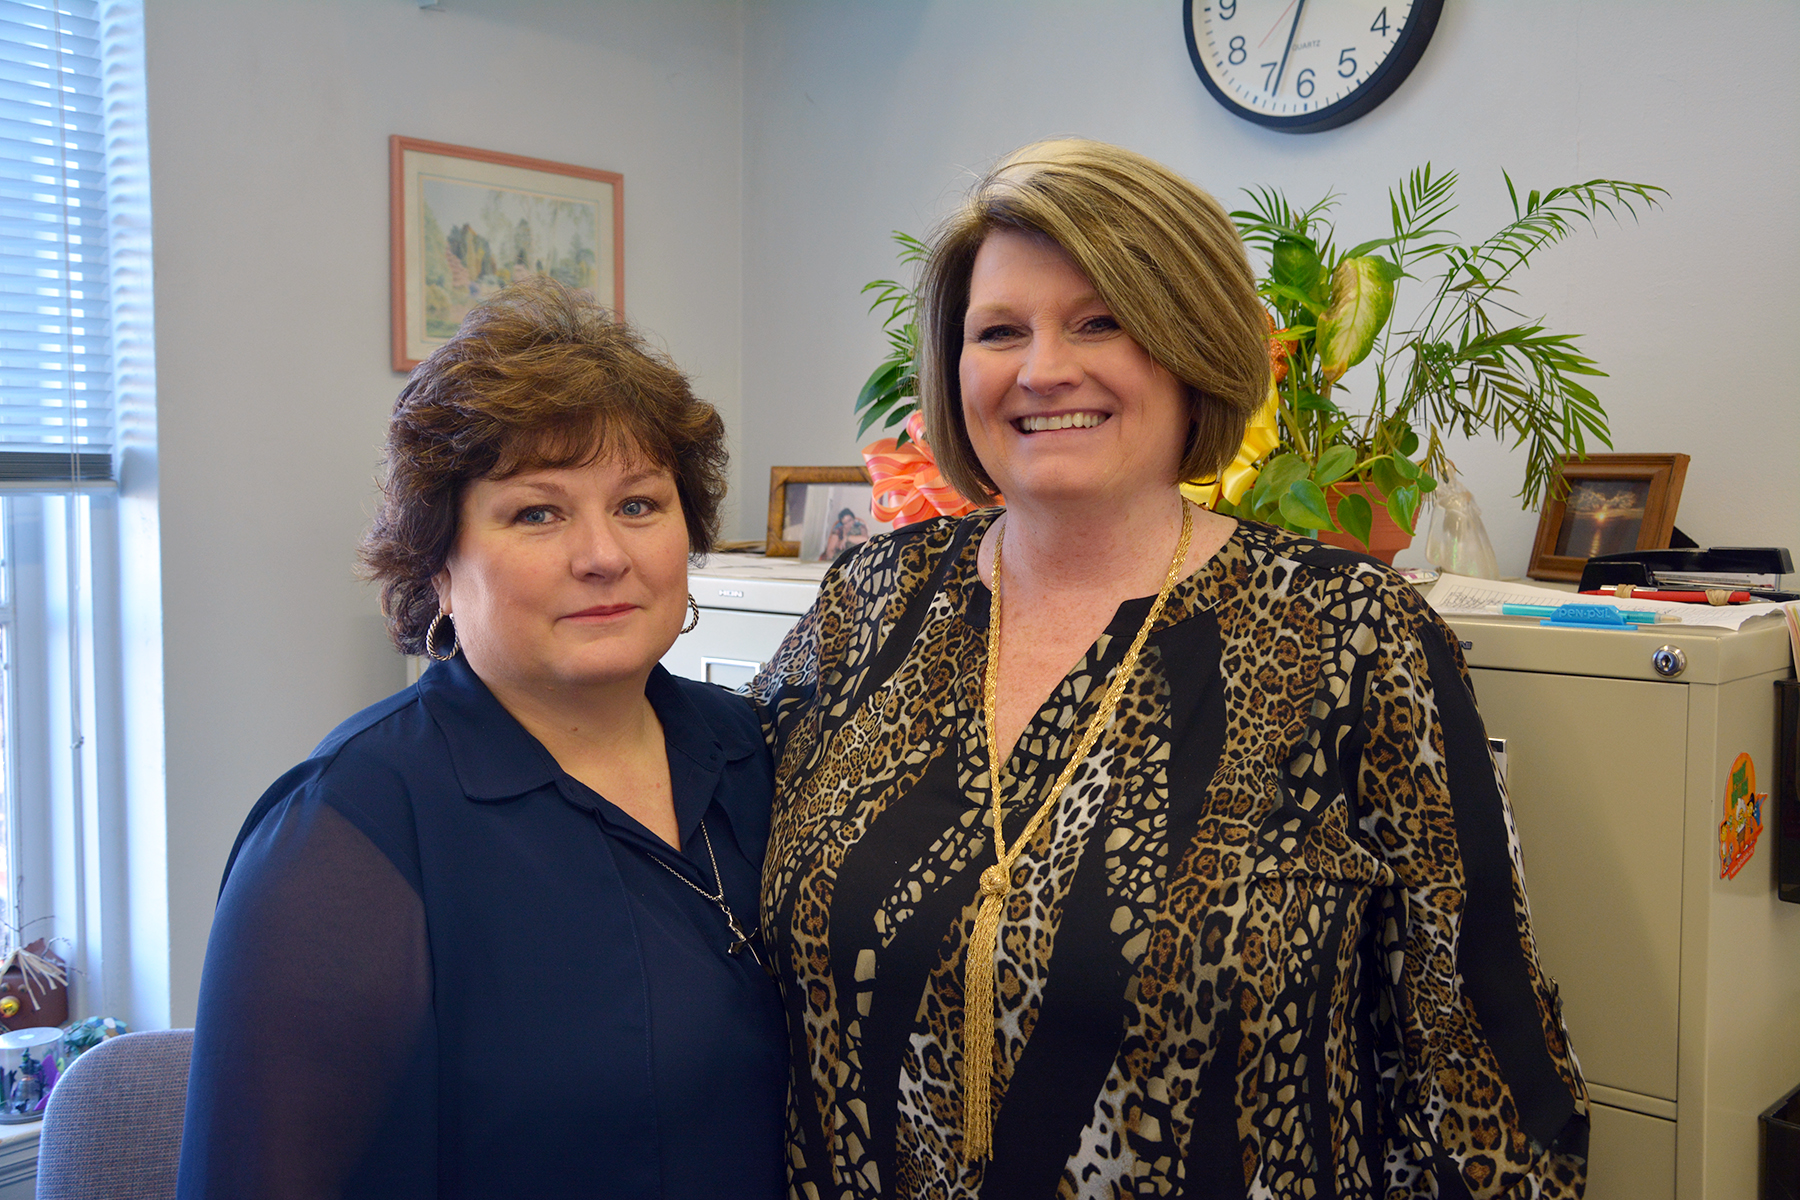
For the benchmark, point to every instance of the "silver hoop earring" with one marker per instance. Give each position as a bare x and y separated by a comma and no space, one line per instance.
694,614
431,638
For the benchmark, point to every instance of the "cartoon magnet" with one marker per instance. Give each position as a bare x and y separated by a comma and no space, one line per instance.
1743,818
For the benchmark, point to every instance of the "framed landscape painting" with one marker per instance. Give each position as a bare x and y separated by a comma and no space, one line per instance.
464,223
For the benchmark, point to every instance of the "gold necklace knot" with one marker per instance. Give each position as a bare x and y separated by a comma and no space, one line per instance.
996,881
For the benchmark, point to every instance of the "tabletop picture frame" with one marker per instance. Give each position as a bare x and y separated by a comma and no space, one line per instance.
1613,503
807,507
463,223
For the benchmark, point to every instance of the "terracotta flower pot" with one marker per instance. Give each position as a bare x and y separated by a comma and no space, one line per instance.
1386,539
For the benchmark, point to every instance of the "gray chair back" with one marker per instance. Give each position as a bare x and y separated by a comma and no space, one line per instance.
112,1129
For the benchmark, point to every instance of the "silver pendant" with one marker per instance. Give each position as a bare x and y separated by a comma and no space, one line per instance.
741,940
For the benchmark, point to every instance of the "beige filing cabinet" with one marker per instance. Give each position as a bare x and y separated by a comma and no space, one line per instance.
747,605
1681,989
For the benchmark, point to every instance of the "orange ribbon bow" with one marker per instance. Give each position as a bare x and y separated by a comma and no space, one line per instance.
908,485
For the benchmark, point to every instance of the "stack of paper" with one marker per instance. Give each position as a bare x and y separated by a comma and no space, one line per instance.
1460,594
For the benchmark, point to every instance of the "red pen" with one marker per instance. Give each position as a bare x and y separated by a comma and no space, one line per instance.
1627,591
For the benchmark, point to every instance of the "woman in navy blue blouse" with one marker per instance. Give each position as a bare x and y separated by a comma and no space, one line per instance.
488,939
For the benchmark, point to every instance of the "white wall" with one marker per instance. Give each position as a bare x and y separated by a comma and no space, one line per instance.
767,152
861,118
268,133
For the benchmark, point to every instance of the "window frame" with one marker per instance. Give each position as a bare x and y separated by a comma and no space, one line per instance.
86,846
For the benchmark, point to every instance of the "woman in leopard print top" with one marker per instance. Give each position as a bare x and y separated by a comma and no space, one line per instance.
1270,937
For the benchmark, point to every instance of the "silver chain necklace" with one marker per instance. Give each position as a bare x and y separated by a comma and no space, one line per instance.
741,940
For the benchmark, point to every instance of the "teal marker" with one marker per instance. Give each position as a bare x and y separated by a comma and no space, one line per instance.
1581,614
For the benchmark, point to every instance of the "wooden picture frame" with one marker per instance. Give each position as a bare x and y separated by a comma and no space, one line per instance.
1614,503
463,222
779,546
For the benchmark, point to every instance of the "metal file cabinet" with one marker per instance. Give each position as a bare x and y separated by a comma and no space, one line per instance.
747,605
1681,989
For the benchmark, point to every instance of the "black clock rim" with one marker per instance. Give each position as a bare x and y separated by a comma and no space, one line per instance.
1421,23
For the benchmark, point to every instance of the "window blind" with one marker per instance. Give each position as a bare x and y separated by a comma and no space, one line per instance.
56,409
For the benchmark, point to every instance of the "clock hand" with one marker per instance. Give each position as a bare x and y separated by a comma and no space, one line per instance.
1282,69
1275,26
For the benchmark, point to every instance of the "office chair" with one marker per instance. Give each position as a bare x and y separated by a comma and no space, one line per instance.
112,1129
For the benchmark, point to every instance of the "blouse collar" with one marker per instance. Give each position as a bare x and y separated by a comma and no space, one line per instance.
495,758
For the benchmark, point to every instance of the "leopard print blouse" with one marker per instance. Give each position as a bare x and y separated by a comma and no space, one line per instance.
1272,943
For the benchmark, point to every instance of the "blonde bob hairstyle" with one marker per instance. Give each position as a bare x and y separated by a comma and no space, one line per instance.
1162,254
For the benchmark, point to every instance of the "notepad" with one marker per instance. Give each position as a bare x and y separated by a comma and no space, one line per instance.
1458,594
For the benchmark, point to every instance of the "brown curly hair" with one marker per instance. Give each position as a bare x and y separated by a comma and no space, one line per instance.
538,376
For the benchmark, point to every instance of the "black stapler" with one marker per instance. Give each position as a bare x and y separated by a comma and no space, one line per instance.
1755,569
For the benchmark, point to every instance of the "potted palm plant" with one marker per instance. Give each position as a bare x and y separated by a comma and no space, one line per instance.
1464,361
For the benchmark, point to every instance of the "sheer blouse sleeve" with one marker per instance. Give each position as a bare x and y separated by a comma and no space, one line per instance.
1486,1090
313,1067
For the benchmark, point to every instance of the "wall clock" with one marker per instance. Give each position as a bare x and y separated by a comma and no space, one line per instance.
1301,67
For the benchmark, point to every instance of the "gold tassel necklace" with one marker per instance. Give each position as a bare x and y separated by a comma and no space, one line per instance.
996,881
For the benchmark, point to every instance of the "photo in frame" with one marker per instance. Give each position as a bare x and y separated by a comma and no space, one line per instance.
1613,503
817,513
463,223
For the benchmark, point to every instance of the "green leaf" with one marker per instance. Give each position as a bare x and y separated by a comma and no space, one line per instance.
1294,262
1334,464
889,412
1427,484
1304,505
1294,296
1405,468
1386,479
1354,514
912,250
1362,296
1308,401
1275,477
1404,439
877,411
1402,504
1363,248
881,382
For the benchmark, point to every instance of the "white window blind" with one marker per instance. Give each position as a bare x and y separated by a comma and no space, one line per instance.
56,409
77,469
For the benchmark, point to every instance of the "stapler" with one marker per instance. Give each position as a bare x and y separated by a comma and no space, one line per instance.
1755,571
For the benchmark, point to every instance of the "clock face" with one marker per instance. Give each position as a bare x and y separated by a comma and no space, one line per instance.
1302,66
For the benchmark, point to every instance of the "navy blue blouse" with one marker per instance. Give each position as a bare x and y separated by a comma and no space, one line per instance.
441,966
